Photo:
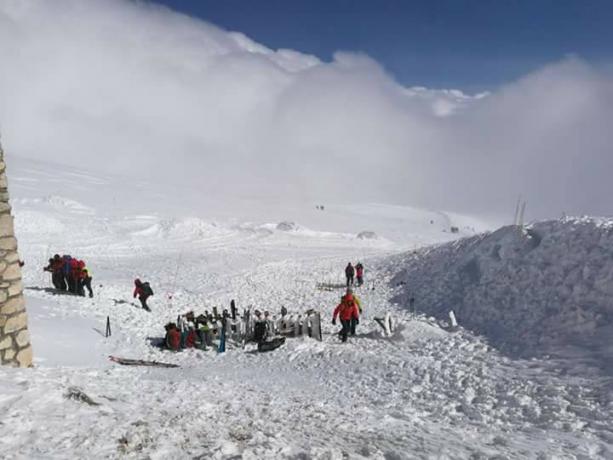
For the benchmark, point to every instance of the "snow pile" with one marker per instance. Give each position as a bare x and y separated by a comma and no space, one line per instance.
367,235
287,226
190,228
545,290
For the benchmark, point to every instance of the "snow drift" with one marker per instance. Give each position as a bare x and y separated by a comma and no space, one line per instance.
543,290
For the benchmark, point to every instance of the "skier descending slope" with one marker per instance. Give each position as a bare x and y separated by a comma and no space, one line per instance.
347,311
143,291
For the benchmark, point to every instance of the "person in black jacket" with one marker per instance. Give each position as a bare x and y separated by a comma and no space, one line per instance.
349,273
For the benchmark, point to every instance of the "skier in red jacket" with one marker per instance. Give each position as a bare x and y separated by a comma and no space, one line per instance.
347,310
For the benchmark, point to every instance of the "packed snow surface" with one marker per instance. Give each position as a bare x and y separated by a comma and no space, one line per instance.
424,392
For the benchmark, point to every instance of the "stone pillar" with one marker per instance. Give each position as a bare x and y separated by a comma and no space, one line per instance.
15,349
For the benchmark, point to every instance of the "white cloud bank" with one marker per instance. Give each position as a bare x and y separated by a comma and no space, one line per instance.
129,86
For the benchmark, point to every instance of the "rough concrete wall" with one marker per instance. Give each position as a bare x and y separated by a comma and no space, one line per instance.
15,348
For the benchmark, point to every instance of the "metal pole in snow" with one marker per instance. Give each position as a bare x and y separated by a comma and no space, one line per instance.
521,214
517,205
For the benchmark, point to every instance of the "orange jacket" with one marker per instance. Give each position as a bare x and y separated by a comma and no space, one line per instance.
347,309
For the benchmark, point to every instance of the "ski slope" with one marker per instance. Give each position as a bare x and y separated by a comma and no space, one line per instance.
425,392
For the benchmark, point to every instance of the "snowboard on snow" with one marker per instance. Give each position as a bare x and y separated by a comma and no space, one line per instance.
139,362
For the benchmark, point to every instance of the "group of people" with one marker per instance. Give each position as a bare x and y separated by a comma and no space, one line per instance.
356,271
191,331
70,274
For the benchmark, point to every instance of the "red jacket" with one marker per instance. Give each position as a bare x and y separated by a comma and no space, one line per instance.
347,309
190,339
57,265
138,291
173,339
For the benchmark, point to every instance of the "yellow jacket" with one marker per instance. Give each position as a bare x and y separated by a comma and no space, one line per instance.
358,302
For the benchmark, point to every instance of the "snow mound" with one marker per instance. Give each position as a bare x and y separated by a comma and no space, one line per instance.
547,289
287,226
191,228
367,235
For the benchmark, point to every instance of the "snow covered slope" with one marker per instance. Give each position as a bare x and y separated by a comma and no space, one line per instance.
545,290
422,393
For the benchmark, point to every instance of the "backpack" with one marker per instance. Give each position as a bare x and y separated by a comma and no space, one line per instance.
147,289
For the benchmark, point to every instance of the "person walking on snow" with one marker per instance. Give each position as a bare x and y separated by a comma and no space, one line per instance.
349,272
347,311
359,273
143,291
358,303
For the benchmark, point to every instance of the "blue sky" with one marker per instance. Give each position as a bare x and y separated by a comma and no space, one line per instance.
467,44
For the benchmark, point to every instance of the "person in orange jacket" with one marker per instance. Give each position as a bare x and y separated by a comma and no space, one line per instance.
347,311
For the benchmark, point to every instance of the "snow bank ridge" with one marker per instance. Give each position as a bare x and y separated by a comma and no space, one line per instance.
547,289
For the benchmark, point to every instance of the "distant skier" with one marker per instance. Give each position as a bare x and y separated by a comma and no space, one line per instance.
347,311
359,273
349,273
143,291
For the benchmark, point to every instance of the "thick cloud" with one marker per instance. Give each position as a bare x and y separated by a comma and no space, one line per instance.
133,87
